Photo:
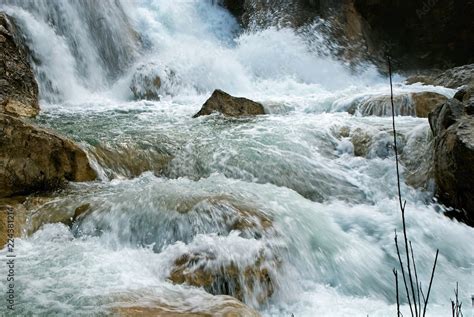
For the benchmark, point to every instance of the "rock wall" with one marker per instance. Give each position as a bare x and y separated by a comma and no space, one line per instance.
453,128
18,87
416,33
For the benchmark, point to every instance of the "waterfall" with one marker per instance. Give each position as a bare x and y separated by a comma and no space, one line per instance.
76,46
304,197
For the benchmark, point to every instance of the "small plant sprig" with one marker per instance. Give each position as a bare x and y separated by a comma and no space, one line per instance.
417,301
455,304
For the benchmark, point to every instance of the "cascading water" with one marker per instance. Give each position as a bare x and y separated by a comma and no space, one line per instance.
76,46
285,189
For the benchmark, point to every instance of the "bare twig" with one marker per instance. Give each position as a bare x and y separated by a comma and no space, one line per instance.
396,287
409,285
431,282
416,276
456,305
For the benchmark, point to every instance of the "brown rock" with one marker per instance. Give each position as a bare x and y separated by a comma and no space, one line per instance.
34,159
230,106
425,102
415,104
361,141
130,160
18,87
206,271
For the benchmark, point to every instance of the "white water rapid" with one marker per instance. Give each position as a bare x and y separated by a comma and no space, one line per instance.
170,185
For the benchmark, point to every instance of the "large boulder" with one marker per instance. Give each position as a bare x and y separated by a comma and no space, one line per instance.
18,87
34,159
453,129
228,105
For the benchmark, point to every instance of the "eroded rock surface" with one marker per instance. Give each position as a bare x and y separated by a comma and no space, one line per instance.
18,87
33,159
453,129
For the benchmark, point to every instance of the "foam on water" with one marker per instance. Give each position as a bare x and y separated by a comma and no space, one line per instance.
333,213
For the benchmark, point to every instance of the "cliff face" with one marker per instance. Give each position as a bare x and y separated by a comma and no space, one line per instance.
18,87
422,33
416,33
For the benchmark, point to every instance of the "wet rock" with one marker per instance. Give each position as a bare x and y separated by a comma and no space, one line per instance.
224,306
18,87
453,130
451,78
33,159
228,105
131,160
413,104
236,215
381,106
456,77
361,141
426,101
207,271
146,83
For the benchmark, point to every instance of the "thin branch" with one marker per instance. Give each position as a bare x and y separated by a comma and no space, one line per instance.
402,204
396,287
403,273
416,277
431,282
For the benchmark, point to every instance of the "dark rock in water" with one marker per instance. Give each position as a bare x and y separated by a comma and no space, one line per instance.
445,115
34,159
228,105
453,129
18,87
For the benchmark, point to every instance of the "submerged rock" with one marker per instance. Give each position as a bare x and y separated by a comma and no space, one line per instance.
414,104
131,160
453,129
228,105
218,276
146,83
34,159
18,87
206,270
